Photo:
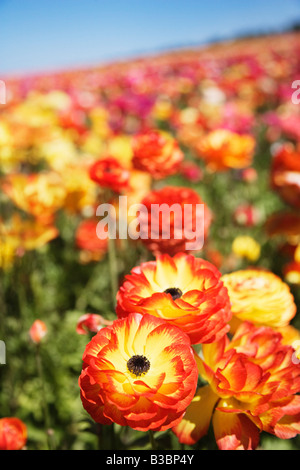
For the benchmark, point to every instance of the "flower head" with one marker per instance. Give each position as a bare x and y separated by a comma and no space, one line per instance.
92,247
185,291
173,220
157,153
109,173
138,372
91,322
291,272
253,383
38,194
222,149
13,434
246,247
260,297
285,174
37,331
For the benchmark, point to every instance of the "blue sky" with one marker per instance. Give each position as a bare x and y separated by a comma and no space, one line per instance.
48,35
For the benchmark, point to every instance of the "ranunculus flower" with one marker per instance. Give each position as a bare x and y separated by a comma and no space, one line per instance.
19,235
109,173
13,434
138,372
247,215
285,174
93,248
38,194
222,149
246,247
164,230
253,386
157,153
291,272
191,172
37,331
185,291
260,297
91,322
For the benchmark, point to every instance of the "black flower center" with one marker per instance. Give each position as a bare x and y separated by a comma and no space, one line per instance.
174,292
138,365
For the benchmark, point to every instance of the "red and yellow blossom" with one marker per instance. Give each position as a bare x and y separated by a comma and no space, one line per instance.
184,291
172,222
109,173
13,434
138,372
260,297
156,153
253,383
222,149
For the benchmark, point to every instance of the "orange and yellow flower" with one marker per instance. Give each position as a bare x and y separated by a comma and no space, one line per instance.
222,149
184,291
253,386
138,372
172,221
13,434
260,297
156,153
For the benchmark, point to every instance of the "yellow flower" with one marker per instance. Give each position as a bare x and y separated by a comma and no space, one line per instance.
20,235
260,297
246,247
38,194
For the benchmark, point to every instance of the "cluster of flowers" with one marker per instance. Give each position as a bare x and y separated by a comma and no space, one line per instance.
142,369
190,346
56,130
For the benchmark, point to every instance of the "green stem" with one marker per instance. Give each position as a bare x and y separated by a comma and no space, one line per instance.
152,440
113,268
44,400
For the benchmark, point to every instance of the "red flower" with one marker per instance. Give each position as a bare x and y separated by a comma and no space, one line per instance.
87,240
91,322
191,172
108,173
156,153
247,215
138,372
185,291
285,174
37,331
13,434
175,220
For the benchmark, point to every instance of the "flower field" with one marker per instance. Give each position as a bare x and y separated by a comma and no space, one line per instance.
133,334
